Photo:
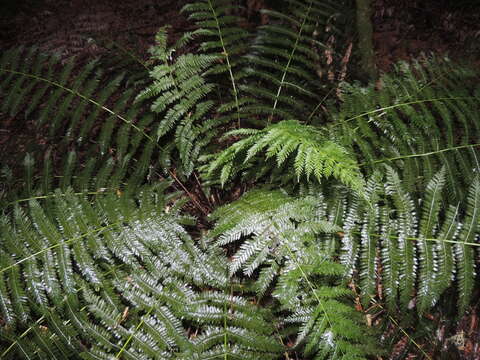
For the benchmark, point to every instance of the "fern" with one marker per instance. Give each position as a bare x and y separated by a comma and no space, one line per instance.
222,40
464,250
427,252
113,279
95,261
223,37
178,89
411,122
380,228
313,157
278,238
122,151
285,61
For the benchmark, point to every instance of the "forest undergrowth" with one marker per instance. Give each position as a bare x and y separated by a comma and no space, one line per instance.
240,195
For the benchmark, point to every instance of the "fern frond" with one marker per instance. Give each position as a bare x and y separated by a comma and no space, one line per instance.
407,229
313,155
411,121
427,252
179,90
284,56
223,37
279,238
115,277
74,105
465,254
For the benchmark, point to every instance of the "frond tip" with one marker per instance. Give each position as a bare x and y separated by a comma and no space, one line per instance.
305,145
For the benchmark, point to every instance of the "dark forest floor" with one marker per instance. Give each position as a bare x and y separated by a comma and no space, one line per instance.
404,30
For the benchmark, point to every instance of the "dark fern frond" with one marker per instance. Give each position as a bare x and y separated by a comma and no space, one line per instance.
285,60
81,111
220,30
224,38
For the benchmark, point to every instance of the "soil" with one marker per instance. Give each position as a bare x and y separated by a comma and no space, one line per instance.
403,30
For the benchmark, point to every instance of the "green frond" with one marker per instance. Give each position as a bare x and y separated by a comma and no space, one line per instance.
284,57
407,228
303,144
427,254
369,242
222,37
75,105
465,254
179,90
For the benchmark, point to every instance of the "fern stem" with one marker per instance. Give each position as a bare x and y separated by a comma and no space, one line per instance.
421,155
405,104
69,241
139,325
227,59
318,105
284,75
190,195
21,336
76,93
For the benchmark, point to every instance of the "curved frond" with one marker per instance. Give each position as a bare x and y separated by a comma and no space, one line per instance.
309,153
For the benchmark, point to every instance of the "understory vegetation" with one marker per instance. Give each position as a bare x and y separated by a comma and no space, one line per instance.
235,197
